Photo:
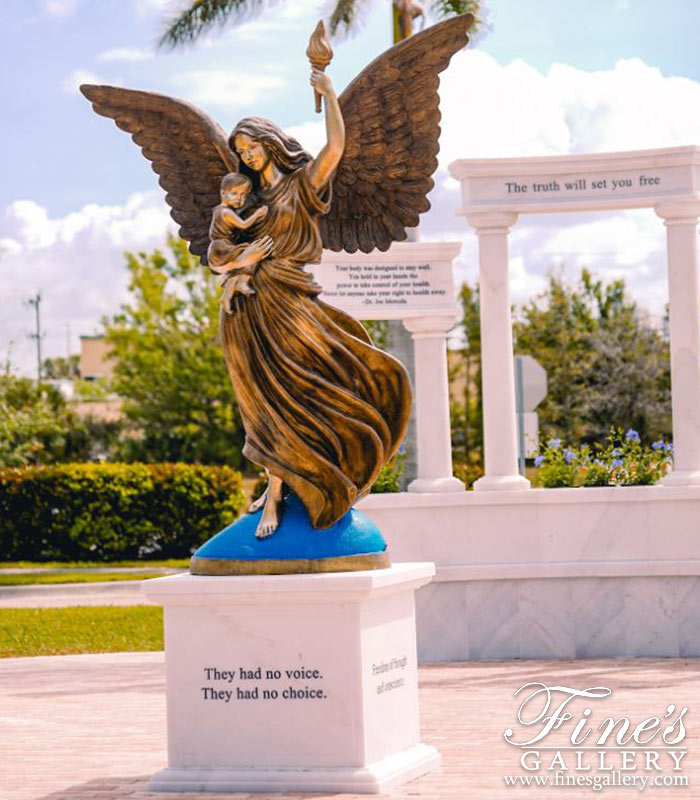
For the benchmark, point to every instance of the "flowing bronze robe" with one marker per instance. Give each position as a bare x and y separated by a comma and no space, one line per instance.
323,409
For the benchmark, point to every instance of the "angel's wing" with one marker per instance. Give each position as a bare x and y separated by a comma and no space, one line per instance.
186,148
392,128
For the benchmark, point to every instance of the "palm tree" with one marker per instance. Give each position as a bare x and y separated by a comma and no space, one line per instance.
202,15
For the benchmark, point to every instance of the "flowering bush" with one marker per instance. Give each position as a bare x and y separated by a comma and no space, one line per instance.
621,461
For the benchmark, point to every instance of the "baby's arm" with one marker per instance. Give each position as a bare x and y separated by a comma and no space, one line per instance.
243,224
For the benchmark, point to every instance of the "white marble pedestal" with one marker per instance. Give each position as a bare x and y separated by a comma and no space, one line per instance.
292,682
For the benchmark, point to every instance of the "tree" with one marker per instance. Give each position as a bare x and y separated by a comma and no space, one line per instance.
203,15
465,377
169,368
36,424
60,367
606,365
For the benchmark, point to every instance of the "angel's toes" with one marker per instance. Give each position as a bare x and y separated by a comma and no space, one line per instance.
265,529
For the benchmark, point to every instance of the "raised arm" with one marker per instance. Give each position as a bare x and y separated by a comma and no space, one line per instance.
324,165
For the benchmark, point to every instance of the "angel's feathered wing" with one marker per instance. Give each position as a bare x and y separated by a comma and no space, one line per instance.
392,128
186,148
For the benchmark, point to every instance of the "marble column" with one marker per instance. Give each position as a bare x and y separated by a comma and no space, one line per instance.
433,404
681,221
500,432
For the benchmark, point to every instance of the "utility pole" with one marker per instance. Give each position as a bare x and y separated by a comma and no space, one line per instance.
37,335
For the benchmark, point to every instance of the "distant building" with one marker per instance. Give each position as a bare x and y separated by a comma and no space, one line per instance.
94,361
96,365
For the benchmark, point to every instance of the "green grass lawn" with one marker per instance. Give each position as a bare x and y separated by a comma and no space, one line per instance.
83,629
74,577
168,562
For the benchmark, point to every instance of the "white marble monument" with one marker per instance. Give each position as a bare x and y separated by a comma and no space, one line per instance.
563,573
496,191
292,682
413,282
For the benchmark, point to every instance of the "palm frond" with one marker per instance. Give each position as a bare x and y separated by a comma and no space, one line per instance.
346,16
449,8
203,15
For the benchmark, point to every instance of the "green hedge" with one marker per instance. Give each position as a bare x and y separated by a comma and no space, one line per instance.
108,511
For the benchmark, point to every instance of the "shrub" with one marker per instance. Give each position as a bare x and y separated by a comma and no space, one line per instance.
113,511
621,461
467,473
389,478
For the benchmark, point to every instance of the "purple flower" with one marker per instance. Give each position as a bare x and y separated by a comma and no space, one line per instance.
660,445
402,448
617,462
569,456
617,452
632,435
555,443
539,461
668,448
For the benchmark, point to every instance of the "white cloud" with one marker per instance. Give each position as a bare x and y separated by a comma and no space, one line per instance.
257,31
59,8
77,263
311,135
301,8
143,7
225,88
9,247
489,110
128,54
76,78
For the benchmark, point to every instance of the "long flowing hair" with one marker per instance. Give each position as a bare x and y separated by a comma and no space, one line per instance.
287,154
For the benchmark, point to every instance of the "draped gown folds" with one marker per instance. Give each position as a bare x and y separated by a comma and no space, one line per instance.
323,409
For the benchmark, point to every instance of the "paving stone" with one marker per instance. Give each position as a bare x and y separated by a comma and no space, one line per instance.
92,727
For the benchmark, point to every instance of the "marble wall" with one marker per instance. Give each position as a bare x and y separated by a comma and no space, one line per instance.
559,618
551,573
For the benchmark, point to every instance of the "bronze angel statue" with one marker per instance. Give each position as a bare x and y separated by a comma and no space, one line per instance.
323,409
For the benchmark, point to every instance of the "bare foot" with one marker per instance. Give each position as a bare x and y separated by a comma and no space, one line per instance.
256,505
270,519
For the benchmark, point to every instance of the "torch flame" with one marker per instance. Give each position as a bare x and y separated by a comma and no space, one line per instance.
319,50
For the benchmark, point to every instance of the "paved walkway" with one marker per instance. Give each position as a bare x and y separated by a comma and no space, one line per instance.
88,570
116,593
93,726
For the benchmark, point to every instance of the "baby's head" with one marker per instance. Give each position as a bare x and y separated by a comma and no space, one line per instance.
235,188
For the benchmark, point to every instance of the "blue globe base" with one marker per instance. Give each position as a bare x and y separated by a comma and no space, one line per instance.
353,543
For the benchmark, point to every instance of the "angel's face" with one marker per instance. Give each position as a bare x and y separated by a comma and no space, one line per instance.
253,153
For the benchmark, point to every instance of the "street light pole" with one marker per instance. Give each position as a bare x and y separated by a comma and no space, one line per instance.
36,302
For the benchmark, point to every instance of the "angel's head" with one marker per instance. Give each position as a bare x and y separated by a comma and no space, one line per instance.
258,141
235,189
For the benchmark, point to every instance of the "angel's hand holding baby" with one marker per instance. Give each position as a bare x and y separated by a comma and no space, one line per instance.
260,249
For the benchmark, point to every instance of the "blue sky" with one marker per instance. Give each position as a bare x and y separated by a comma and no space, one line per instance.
61,156
76,192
